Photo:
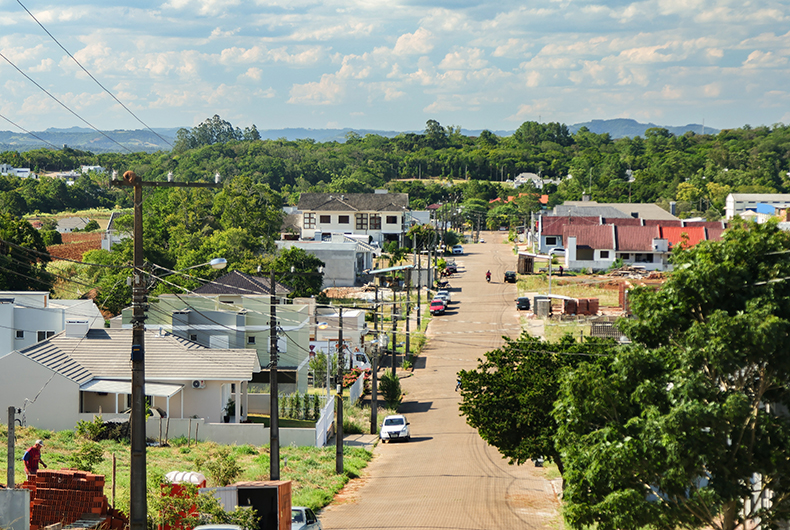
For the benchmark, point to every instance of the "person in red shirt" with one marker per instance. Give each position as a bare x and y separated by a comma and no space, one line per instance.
32,458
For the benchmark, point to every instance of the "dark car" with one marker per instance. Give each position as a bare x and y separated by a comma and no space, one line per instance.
510,277
522,303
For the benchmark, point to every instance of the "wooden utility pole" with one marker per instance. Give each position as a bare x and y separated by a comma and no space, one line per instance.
138,505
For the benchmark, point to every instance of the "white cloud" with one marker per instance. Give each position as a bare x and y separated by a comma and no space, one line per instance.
253,74
324,92
712,90
761,59
417,43
217,33
44,66
463,59
212,8
513,48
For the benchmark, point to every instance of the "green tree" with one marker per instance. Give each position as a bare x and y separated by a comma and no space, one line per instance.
298,269
685,427
23,257
508,398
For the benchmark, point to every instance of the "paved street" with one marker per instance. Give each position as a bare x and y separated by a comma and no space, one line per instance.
447,477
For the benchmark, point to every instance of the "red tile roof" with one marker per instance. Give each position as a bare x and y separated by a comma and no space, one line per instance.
714,234
676,234
622,221
664,222
598,237
704,224
552,226
636,238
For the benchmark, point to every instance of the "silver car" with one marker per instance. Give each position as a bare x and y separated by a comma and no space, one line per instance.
304,519
395,427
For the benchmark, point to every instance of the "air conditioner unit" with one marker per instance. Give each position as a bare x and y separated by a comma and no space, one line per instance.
198,384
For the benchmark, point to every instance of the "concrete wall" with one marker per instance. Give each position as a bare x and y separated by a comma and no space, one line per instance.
50,401
230,433
15,509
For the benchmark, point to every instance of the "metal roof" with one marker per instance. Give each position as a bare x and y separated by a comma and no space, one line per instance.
104,354
239,283
359,202
390,269
125,387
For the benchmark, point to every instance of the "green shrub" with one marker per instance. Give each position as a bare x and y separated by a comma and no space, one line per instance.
389,386
87,457
246,449
92,430
222,467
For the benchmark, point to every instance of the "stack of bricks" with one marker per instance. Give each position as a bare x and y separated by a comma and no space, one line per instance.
65,496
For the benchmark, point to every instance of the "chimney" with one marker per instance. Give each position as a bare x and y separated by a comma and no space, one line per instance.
77,329
672,205
585,198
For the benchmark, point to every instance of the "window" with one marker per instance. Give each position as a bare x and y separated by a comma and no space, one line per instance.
309,220
43,335
625,255
375,221
20,334
325,219
392,219
585,254
362,221
251,339
193,338
604,254
343,219
551,240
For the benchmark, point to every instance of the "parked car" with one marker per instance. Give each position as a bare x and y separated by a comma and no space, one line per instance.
395,427
510,277
442,301
437,307
452,268
522,303
458,249
304,519
443,293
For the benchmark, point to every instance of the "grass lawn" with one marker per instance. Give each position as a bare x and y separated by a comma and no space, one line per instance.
572,286
311,469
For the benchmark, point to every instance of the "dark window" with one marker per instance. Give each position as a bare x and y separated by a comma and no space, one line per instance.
193,338
375,221
551,240
604,254
362,221
325,219
343,219
43,335
392,219
250,340
585,254
20,334
625,256
309,220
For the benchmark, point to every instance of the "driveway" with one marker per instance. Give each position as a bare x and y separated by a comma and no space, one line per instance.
447,477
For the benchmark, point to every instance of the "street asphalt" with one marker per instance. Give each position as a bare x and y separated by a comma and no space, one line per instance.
447,477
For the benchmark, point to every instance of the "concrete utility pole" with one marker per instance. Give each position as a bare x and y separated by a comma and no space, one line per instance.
394,334
138,504
374,407
274,396
408,291
11,441
339,415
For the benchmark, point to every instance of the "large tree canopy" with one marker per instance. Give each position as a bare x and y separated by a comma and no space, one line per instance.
689,425
23,257
509,397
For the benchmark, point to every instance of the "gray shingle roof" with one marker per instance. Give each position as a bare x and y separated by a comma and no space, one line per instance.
239,283
563,210
105,353
359,202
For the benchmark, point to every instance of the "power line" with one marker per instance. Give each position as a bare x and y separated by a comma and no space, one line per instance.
64,105
90,75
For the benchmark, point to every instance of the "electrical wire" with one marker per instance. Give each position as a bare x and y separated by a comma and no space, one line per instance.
91,75
64,105
30,133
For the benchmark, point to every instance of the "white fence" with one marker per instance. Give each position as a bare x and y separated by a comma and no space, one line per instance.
355,392
324,424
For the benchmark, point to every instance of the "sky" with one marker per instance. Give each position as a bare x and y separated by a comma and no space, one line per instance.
394,64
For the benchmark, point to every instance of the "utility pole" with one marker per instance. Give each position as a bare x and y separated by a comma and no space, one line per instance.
274,396
11,442
138,504
408,291
394,334
339,414
374,407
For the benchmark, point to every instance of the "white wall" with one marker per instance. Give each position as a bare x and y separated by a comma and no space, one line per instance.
56,407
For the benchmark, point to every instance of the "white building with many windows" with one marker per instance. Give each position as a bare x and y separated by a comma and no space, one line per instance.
379,216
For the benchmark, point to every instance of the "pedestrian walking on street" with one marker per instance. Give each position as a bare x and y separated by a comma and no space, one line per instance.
32,458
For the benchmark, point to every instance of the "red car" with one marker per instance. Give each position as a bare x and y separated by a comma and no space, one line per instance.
437,307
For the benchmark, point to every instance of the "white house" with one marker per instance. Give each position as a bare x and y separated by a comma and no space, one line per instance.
738,203
81,372
112,235
87,169
345,257
29,317
69,224
380,215
21,172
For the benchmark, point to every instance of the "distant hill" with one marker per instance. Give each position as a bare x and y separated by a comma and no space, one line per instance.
622,127
144,140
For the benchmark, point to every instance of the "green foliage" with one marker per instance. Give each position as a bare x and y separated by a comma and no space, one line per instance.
190,508
87,457
616,264
92,430
221,467
23,257
300,406
389,387
305,280
690,411
508,398
317,365
51,237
